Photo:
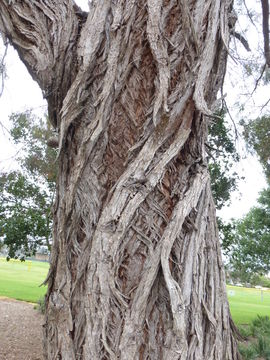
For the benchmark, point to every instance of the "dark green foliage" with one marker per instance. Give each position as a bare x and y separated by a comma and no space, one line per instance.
26,196
32,134
227,235
260,325
222,155
25,219
261,280
245,275
246,241
257,135
260,346
248,352
249,239
245,331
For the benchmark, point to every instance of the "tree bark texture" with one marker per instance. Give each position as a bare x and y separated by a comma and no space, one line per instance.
136,269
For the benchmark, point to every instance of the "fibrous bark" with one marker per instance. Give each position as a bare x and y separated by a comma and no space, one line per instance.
136,269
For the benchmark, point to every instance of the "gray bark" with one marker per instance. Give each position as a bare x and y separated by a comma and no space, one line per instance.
136,269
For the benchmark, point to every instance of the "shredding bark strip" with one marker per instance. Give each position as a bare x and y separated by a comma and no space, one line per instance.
136,269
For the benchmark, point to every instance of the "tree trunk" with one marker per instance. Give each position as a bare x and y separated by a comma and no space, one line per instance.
136,269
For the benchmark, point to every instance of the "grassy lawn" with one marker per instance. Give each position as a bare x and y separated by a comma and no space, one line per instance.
247,303
21,280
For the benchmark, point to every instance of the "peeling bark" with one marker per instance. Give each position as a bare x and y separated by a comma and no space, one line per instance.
136,269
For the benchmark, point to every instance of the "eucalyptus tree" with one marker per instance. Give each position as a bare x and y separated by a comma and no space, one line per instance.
248,246
257,135
26,194
222,155
136,269
25,221
246,241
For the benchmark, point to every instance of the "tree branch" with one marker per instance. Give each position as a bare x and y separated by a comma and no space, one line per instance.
265,25
243,41
259,79
45,34
249,15
3,70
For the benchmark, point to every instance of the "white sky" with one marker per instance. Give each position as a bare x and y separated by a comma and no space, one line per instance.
22,93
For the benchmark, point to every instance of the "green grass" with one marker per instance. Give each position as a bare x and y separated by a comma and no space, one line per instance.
21,280
247,303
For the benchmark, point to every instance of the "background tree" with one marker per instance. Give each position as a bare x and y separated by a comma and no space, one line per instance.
36,158
257,135
26,195
222,156
136,268
25,220
247,240
251,238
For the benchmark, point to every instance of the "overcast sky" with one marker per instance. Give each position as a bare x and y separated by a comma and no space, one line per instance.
22,93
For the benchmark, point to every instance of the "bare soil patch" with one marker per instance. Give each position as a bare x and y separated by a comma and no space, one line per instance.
20,331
